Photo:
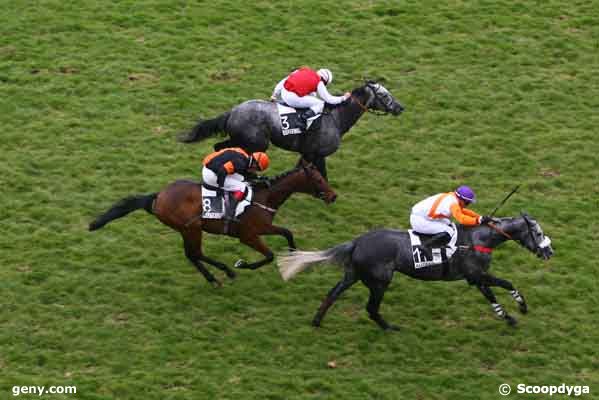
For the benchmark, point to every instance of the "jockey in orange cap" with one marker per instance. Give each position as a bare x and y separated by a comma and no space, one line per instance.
432,216
227,170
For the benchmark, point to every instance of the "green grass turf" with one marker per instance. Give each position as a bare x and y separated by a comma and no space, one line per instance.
92,96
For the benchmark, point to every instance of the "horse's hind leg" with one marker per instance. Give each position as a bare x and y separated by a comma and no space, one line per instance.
490,280
377,291
348,280
192,251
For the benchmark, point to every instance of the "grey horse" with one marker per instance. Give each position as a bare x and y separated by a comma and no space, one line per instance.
253,124
376,255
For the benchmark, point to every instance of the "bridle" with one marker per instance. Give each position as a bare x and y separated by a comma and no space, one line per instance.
528,226
377,96
532,238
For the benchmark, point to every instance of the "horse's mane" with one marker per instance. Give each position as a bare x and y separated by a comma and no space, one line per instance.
271,181
355,92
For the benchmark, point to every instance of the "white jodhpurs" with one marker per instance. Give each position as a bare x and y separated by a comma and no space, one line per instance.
430,226
293,100
233,182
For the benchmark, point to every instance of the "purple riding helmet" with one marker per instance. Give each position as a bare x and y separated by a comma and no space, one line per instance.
466,194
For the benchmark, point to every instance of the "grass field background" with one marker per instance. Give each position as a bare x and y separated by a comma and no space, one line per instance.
92,96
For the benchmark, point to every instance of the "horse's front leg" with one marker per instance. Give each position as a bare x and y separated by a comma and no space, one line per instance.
497,308
321,165
319,162
257,244
230,273
491,280
286,233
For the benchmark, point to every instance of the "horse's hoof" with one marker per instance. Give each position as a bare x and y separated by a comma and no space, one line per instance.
216,284
511,321
316,323
231,274
240,264
523,308
392,328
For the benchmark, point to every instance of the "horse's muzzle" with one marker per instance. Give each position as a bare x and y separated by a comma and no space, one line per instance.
327,197
545,251
397,109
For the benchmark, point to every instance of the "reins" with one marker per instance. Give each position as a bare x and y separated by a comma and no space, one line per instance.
496,228
262,206
362,106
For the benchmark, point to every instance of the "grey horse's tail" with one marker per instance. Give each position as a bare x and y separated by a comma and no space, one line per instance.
205,129
124,207
294,262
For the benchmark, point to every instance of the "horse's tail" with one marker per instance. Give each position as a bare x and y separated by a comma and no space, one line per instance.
124,207
205,129
292,263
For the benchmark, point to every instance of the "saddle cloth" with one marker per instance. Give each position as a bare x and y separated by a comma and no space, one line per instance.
213,204
427,256
289,119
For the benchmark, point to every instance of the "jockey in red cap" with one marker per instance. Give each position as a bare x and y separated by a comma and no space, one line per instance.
298,88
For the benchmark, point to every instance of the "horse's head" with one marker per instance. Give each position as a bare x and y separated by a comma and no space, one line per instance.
315,184
529,234
381,100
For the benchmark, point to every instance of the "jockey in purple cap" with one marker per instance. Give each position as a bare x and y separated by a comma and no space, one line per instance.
432,216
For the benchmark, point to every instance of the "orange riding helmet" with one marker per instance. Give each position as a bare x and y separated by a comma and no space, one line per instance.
261,159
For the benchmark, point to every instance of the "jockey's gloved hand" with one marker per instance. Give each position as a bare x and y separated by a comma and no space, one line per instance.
485,219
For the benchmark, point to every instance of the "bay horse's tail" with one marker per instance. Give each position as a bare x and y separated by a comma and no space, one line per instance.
292,263
205,129
124,207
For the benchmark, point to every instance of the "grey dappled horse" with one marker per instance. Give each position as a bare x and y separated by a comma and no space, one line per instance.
376,255
254,123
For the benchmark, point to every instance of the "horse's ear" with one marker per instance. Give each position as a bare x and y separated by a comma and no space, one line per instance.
526,217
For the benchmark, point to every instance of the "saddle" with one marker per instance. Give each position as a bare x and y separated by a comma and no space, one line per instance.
214,202
429,250
295,121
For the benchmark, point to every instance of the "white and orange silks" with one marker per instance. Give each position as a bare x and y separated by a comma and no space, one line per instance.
433,214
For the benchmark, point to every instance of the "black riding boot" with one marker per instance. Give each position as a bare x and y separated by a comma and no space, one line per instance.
229,216
303,119
439,239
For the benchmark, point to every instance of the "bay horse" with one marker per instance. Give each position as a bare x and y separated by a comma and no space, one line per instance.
376,255
179,206
253,124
